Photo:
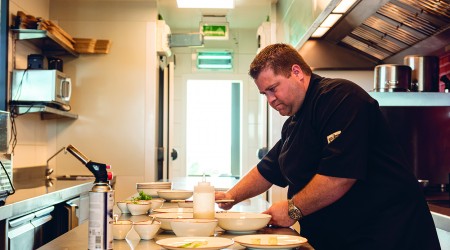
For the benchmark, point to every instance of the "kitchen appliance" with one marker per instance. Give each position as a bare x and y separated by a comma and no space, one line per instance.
101,202
392,78
55,63
49,87
425,73
35,61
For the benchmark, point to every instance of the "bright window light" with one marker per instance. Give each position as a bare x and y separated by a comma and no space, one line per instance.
331,20
343,6
206,4
320,32
214,60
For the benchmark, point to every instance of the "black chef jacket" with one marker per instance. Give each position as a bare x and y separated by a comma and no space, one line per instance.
340,131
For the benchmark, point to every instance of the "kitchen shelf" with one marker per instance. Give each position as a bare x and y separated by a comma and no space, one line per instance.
424,99
48,42
46,112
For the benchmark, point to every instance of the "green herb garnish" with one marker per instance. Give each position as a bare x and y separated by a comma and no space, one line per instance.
142,196
194,244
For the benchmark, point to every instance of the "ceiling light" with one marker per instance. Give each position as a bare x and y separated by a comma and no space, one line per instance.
343,6
331,20
320,32
206,4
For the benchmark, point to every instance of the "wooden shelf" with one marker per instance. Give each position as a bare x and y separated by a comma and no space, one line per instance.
45,40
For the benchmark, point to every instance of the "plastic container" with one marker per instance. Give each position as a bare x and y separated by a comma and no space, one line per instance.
204,201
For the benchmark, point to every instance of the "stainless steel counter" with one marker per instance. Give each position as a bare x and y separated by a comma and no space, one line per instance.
27,200
77,238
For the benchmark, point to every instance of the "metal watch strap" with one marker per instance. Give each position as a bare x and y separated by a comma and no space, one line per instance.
294,212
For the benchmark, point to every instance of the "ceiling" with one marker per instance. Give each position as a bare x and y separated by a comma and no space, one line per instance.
247,14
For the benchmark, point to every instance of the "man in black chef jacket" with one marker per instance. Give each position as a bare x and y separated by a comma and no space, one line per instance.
350,186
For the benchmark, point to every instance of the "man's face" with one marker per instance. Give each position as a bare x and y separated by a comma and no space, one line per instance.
285,95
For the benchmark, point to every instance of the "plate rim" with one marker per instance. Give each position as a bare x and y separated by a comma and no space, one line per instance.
237,240
229,242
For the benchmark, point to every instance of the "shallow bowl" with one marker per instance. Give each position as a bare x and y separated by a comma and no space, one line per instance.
193,227
141,207
242,222
166,218
175,194
146,229
186,204
121,229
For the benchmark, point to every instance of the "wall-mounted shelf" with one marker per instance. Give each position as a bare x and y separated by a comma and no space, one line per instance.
48,42
46,112
425,99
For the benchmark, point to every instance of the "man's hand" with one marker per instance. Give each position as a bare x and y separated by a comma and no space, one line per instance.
280,217
224,196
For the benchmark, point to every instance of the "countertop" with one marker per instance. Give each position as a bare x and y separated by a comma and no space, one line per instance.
37,195
77,238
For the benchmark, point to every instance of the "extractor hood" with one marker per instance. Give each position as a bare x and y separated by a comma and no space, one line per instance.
377,32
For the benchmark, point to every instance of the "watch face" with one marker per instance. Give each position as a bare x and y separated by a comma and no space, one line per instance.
293,211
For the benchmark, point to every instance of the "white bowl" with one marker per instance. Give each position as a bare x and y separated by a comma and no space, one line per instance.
242,222
193,227
156,203
150,191
166,218
121,229
186,204
122,205
141,207
175,194
146,229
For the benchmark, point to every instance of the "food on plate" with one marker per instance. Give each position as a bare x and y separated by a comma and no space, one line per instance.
194,244
272,240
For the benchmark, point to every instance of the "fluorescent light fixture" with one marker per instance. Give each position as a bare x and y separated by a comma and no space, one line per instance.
344,6
206,4
320,32
214,60
330,20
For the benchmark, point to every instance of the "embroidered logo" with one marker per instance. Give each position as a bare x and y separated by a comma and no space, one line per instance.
333,136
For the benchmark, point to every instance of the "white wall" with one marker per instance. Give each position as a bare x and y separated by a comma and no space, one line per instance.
113,94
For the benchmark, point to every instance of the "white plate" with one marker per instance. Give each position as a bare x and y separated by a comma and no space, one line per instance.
281,241
212,242
174,210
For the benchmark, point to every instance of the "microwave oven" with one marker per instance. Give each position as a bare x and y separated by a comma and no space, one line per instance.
36,86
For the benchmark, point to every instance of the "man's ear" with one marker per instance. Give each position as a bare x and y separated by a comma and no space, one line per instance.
297,71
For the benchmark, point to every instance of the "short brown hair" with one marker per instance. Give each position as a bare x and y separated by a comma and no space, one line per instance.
279,57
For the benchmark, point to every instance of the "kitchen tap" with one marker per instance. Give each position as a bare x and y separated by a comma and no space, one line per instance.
48,170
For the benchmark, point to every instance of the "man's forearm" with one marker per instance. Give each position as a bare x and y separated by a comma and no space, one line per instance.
251,185
320,192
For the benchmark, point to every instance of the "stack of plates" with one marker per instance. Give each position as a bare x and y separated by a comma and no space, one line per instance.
151,188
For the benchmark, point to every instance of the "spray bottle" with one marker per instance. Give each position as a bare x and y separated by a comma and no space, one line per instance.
101,202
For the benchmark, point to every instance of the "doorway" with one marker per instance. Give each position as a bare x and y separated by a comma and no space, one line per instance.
213,128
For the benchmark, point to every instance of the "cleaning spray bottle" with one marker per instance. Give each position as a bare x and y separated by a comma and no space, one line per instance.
204,200
101,202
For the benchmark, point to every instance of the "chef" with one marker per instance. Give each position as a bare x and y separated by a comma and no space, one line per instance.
350,187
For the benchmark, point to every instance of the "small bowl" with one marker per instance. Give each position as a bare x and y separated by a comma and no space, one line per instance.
156,203
186,204
121,229
193,227
146,229
166,218
242,222
141,207
122,205
175,194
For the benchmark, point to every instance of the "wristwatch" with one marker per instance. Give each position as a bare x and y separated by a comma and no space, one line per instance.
294,212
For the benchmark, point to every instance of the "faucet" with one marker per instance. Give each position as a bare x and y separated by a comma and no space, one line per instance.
48,170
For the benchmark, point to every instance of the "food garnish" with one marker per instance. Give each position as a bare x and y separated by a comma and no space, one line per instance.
194,244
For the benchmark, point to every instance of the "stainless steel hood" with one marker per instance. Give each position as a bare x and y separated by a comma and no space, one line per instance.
376,32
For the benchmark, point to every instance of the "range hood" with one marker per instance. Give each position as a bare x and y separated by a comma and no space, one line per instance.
385,31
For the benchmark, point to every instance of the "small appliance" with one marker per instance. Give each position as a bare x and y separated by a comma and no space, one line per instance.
34,87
